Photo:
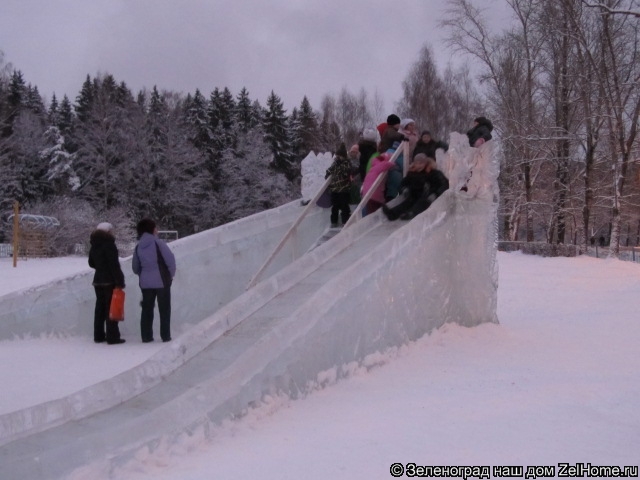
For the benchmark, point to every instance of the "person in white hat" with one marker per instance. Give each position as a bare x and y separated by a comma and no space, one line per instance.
104,258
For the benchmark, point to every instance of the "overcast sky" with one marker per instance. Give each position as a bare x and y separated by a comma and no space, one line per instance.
293,47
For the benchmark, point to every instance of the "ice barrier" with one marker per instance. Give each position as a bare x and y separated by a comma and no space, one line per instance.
207,278
438,268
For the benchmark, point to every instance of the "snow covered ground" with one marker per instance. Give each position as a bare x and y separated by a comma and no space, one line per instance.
558,381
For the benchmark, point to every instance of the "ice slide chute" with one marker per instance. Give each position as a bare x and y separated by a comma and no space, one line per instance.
375,286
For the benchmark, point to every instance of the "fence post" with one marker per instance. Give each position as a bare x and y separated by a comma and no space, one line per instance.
16,233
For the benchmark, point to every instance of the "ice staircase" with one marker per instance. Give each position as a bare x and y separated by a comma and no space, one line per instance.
373,287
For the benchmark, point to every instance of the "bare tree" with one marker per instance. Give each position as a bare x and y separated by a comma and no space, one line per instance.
511,67
607,9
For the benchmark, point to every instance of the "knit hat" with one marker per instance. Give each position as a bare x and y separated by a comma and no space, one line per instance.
342,151
370,134
393,120
405,122
104,226
425,132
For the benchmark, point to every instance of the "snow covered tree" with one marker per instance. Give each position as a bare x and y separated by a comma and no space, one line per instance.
23,172
197,116
33,100
171,177
249,185
222,115
60,169
106,138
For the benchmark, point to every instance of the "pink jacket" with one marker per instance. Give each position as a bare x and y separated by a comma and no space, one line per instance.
379,165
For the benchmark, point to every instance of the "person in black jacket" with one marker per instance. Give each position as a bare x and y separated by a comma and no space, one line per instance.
103,257
428,145
412,187
480,132
367,147
436,184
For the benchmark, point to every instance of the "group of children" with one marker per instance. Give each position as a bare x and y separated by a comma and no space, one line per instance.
419,189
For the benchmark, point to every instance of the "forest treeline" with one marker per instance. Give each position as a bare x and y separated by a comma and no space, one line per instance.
191,162
560,85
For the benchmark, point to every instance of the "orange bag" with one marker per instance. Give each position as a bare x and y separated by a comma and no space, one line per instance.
116,309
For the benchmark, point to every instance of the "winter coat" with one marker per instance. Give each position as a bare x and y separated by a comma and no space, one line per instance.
437,183
389,137
379,165
412,137
482,130
394,177
145,261
340,171
429,148
103,257
414,182
367,149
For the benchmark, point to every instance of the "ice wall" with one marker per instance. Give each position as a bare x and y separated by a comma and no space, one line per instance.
440,267
208,276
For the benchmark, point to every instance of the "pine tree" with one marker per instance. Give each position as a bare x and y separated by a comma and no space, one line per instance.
53,114
198,118
84,100
215,101
309,132
15,100
277,137
65,118
244,112
33,101
227,108
221,114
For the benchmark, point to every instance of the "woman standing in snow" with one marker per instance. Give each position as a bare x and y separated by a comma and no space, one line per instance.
103,257
155,265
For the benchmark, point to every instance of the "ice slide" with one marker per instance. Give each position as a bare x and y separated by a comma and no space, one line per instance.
375,286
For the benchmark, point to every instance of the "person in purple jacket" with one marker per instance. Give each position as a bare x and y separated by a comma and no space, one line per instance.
155,266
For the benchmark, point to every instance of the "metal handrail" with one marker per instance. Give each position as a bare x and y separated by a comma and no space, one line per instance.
363,202
287,235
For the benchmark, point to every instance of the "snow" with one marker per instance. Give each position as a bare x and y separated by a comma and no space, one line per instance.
34,272
557,381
